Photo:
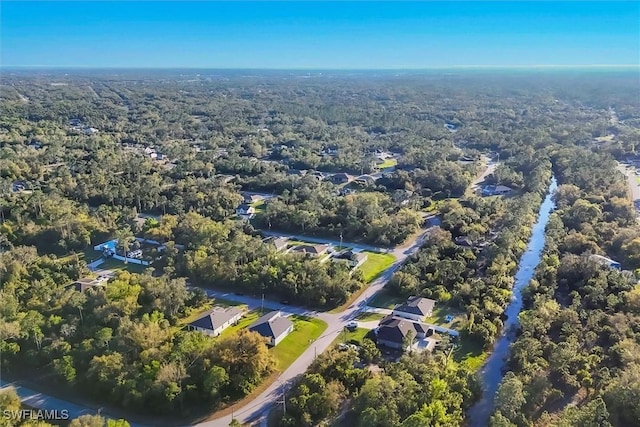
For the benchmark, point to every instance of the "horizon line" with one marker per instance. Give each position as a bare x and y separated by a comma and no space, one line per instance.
444,67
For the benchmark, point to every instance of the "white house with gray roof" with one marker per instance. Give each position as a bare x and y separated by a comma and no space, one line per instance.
216,320
416,308
273,326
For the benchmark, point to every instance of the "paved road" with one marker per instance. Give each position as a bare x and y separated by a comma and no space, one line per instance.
42,401
261,405
634,187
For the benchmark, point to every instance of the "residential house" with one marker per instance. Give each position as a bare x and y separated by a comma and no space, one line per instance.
340,178
345,191
404,334
329,152
365,180
280,243
402,197
245,210
353,259
216,320
225,178
415,308
82,285
251,198
496,190
297,172
314,250
273,326
606,261
317,175
464,241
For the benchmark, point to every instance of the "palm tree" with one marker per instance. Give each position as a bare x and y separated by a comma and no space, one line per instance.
125,237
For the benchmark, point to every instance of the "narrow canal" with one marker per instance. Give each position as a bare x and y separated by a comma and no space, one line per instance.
492,372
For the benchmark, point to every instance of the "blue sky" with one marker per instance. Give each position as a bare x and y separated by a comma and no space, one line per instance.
329,35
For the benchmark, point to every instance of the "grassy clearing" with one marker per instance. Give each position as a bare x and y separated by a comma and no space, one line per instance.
388,163
352,337
116,265
375,264
470,353
440,312
306,330
368,317
384,300
259,206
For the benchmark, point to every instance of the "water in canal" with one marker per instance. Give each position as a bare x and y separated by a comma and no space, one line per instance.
491,373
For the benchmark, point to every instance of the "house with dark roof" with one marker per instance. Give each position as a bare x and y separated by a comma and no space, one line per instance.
340,178
365,180
404,334
314,250
216,320
415,308
464,241
273,326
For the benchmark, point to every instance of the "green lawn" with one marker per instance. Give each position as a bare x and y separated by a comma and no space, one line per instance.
246,320
259,206
638,179
388,163
375,264
439,314
87,256
352,337
306,330
367,317
116,265
384,300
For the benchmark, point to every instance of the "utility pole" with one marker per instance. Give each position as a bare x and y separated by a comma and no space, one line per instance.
262,306
284,398
341,240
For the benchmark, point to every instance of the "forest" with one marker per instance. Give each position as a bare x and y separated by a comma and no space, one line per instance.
95,155
575,361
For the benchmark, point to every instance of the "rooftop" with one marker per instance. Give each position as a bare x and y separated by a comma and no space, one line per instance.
416,305
271,325
216,317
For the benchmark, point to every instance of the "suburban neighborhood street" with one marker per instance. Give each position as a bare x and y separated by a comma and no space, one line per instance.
336,322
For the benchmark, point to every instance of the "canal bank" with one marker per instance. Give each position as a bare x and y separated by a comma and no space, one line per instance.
492,371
